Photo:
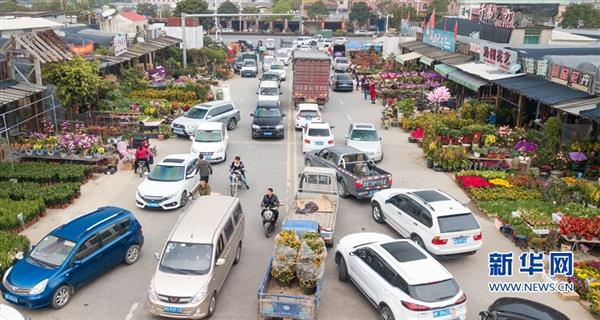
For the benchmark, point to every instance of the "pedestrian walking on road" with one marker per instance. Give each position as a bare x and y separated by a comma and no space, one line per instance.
204,168
372,92
365,88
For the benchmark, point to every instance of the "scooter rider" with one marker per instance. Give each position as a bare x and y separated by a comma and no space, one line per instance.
270,200
238,165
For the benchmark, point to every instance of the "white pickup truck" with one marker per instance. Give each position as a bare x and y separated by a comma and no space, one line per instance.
315,206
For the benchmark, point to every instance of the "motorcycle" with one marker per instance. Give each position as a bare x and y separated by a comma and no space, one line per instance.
386,120
235,182
268,220
142,168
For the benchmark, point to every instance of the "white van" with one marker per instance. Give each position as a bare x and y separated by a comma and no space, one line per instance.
203,246
268,91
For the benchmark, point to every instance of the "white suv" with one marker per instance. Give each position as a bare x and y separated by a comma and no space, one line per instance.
268,91
211,139
401,280
169,183
316,136
307,113
434,220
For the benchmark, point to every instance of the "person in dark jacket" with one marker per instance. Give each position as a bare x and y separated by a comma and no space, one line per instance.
270,200
238,165
204,168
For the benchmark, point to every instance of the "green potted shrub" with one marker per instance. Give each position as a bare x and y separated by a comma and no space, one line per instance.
467,135
477,152
455,136
443,133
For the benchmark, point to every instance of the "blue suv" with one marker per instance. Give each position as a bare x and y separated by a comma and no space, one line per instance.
72,255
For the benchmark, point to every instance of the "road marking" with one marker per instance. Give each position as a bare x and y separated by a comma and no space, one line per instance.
291,134
241,100
349,117
131,311
341,102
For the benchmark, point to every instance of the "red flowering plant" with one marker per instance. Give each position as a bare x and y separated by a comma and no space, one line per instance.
417,134
469,182
580,227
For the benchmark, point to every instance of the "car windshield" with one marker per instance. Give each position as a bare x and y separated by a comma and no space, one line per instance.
186,258
250,63
166,173
459,222
239,59
267,91
342,60
277,67
343,77
208,136
269,60
435,291
313,132
51,252
308,114
282,54
196,113
267,113
364,135
270,77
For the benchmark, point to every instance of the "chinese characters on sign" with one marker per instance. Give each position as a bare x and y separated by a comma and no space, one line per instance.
542,68
475,47
498,15
120,44
464,12
440,39
500,264
536,67
499,57
573,78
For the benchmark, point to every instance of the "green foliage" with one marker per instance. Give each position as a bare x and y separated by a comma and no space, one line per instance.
401,12
46,5
43,172
360,12
10,244
204,56
77,81
584,12
579,210
486,174
104,51
54,194
166,12
475,110
550,141
11,6
147,9
515,193
441,7
317,10
228,7
132,79
194,7
452,158
10,209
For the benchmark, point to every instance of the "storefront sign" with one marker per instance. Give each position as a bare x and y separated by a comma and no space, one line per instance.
475,47
499,57
576,79
529,65
541,68
464,11
535,67
120,44
499,15
440,39
84,49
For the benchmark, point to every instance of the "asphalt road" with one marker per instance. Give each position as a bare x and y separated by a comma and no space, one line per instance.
122,292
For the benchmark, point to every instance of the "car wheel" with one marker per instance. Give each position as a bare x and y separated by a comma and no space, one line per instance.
418,241
385,313
377,213
342,189
61,297
184,199
212,305
342,270
132,255
231,124
238,254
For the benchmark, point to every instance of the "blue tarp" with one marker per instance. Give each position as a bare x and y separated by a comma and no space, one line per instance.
352,45
542,90
593,114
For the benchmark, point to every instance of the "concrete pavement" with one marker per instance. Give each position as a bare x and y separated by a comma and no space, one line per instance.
122,292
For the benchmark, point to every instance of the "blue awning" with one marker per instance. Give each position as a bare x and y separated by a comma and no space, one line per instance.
542,90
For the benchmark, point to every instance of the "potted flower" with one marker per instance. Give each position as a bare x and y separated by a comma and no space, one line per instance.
455,136
467,136
38,148
443,133
489,140
493,152
477,152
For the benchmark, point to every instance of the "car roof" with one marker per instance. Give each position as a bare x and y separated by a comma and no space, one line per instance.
308,106
82,225
210,125
363,126
178,159
269,84
412,263
318,125
212,104
267,104
440,203
202,219
520,306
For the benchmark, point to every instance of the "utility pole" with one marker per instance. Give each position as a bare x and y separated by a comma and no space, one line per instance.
240,27
216,22
183,40
302,17
387,21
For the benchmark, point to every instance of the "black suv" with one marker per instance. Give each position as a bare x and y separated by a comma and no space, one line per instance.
267,120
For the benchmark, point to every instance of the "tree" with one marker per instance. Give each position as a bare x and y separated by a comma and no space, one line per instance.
46,5
441,7
228,7
147,9
251,10
280,6
401,12
360,13
77,81
11,6
194,7
580,16
166,12
317,10
386,7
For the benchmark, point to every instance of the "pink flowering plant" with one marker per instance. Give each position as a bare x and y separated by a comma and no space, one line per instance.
439,95
526,148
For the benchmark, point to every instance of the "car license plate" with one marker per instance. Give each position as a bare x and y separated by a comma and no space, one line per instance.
173,310
441,313
11,298
178,131
461,240
152,205
318,143
268,133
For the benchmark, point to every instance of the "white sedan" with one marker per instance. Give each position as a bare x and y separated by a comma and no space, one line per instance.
433,219
279,68
399,278
170,183
211,139
307,113
316,136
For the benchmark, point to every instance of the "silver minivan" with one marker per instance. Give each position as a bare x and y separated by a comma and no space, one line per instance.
196,259
213,111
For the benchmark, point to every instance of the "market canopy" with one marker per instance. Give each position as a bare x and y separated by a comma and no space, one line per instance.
353,45
485,71
593,114
408,57
577,107
542,90
443,69
467,80
12,90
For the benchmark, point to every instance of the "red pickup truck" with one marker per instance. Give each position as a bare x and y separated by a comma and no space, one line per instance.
311,77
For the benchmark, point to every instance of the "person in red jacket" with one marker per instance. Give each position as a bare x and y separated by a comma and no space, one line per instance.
141,153
372,92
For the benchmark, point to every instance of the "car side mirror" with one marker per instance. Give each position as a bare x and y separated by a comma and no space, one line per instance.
209,117
332,127
347,136
220,262
380,138
280,93
191,175
252,114
19,255
283,115
484,315
156,256
192,138
76,263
